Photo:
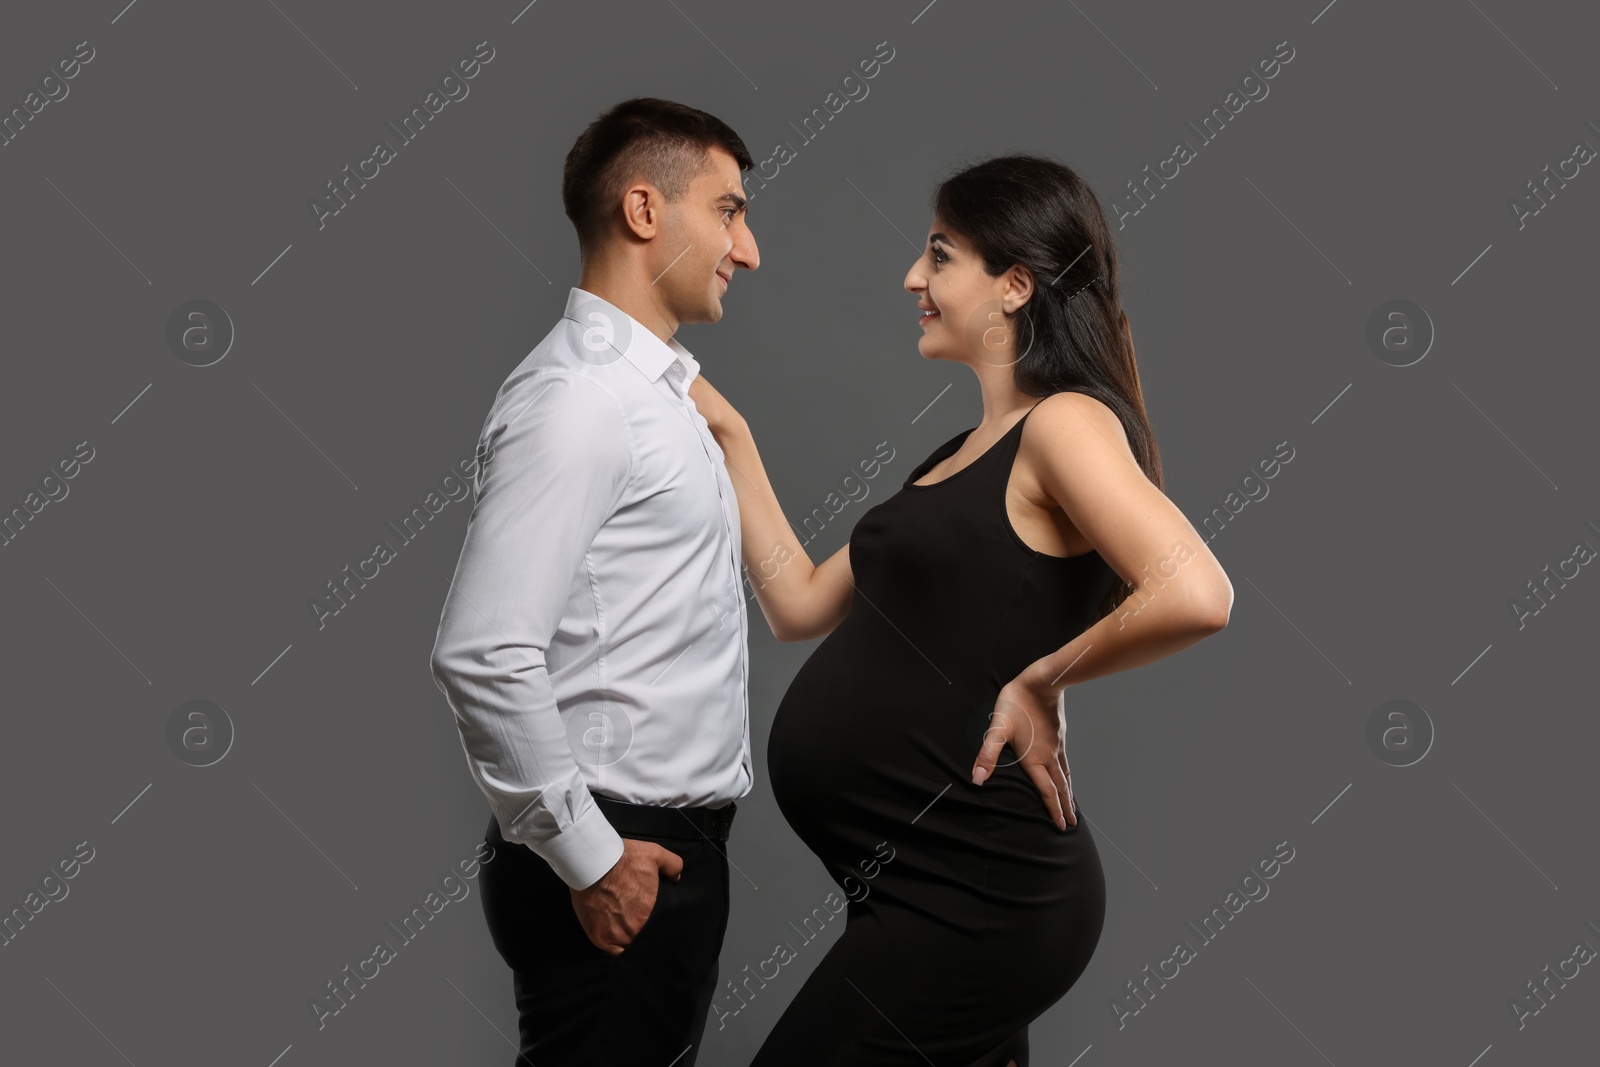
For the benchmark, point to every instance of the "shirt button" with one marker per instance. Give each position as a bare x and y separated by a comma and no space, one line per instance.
677,366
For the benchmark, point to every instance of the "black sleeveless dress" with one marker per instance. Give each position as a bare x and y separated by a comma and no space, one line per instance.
970,913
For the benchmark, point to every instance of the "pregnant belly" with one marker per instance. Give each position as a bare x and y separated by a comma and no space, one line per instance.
861,755
863,732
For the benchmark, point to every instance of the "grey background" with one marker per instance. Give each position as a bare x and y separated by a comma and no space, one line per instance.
1380,566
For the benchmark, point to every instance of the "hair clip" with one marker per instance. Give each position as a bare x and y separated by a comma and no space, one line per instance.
1082,287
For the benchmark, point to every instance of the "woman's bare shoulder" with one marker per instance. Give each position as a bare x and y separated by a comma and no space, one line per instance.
1063,423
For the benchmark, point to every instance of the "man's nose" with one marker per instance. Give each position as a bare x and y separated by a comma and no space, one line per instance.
745,252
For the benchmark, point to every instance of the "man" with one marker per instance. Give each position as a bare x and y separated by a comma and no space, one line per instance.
593,641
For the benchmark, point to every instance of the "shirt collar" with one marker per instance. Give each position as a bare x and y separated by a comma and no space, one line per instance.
643,349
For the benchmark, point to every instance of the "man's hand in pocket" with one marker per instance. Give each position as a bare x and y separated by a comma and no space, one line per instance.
615,909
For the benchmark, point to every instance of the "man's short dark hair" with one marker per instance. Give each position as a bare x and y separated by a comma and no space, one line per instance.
663,142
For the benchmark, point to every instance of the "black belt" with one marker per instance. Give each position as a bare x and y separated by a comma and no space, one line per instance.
657,820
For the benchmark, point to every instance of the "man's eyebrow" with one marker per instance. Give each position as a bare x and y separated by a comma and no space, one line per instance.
733,198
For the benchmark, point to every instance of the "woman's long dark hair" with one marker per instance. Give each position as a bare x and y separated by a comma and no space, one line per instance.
1032,211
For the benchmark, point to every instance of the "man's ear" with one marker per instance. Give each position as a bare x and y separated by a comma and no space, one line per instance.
641,210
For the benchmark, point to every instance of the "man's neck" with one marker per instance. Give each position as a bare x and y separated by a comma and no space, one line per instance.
633,295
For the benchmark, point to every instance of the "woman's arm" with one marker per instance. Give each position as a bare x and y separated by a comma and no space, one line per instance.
799,599
1181,593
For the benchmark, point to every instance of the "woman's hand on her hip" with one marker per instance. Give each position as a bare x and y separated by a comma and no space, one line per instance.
1029,720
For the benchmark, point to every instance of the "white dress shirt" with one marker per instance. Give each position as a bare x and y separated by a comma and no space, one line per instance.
594,636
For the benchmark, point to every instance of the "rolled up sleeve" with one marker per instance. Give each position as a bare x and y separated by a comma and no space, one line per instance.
560,458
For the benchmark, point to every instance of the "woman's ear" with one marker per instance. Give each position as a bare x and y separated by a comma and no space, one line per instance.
1019,287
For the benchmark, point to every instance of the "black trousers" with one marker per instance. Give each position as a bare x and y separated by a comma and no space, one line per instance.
579,1006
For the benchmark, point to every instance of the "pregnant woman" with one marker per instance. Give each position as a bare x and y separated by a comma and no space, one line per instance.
1027,554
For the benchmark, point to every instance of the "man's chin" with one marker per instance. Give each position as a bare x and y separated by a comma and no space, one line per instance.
700,316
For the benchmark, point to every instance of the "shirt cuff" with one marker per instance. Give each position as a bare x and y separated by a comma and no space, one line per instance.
583,852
